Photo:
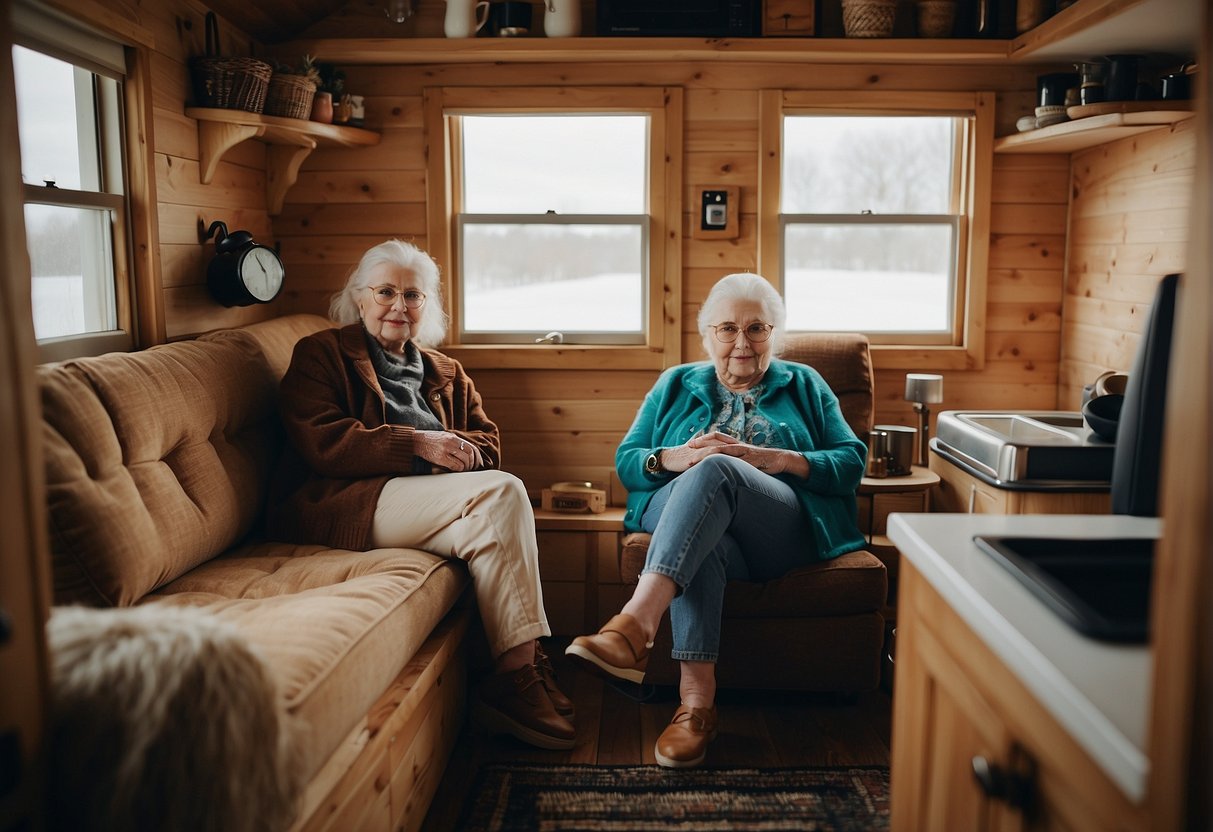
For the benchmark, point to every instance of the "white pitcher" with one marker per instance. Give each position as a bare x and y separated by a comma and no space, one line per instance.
464,19
562,18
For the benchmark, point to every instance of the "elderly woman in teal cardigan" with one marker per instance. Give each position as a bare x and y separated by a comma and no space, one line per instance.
741,467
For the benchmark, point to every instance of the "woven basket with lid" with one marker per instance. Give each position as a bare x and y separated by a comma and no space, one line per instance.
868,18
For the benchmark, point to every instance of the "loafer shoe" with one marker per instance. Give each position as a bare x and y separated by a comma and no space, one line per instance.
684,742
619,649
562,704
517,703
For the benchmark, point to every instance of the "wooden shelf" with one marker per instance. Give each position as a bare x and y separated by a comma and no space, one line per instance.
1093,28
1087,132
393,51
291,140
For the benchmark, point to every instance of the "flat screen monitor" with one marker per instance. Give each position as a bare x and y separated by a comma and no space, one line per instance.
1137,460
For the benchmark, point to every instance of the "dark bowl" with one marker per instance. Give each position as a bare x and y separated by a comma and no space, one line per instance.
1102,415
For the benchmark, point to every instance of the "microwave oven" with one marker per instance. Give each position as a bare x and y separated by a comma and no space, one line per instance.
680,18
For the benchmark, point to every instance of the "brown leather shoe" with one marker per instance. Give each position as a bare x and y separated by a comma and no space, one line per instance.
619,649
562,704
684,742
517,703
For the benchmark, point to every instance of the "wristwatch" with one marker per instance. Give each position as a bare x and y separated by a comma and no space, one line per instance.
653,463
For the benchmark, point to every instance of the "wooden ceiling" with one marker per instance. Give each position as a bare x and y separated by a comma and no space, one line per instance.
274,21
278,21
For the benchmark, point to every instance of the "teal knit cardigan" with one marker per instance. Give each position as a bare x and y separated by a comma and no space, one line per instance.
797,400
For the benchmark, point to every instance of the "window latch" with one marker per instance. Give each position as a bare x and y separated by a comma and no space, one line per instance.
551,338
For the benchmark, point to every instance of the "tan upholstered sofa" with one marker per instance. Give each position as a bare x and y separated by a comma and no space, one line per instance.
157,465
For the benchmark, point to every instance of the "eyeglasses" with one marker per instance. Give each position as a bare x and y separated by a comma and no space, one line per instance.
755,333
386,296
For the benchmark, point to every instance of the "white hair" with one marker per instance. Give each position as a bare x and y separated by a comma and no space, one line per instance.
344,307
164,717
746,286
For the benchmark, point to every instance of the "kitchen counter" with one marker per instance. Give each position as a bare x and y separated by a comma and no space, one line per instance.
1097,691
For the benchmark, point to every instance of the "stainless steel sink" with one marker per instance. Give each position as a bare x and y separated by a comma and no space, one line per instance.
1020,449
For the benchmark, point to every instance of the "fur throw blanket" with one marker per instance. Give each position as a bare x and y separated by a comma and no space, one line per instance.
163,718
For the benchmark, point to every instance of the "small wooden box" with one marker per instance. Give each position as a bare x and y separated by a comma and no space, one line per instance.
573,500
788,18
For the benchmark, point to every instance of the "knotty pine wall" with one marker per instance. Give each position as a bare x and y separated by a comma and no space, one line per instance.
566,424
1129,226
186,207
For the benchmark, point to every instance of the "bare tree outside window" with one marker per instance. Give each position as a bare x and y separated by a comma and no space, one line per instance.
870,222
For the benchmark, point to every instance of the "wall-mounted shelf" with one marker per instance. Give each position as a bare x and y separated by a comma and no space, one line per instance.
291,140
399,51
1082,133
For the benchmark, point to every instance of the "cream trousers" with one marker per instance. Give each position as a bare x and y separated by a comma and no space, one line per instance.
484,518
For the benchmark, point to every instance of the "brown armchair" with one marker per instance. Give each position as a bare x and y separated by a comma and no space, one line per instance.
818,628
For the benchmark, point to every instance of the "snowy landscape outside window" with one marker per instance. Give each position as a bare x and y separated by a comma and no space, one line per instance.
872,223
552,227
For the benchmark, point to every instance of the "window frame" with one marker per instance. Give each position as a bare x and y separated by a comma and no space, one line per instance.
663,106
965,348
127,116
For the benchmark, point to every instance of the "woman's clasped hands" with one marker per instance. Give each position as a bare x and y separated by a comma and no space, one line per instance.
446,450
768,460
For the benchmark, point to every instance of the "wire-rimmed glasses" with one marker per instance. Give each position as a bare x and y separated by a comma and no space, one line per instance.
386,296
755,333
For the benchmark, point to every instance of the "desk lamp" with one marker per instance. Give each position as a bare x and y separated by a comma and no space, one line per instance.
923,389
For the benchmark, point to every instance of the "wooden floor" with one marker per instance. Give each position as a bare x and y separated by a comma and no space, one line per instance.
766,729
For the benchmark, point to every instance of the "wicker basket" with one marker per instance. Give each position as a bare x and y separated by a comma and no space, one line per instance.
289,96
228,83
868,18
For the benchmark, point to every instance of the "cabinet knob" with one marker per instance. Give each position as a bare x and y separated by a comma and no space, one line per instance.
997,783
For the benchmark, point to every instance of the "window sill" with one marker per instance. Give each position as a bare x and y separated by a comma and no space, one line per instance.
892,357
550,357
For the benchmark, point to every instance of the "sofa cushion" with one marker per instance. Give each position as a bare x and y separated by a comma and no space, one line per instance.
334,626
156,461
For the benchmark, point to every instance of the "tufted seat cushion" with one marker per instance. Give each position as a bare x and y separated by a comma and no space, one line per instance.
154,463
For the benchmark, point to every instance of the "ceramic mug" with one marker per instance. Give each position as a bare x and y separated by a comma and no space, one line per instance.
464,18
561,18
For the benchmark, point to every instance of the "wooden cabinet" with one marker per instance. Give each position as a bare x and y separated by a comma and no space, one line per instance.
579,569
960,491
972,749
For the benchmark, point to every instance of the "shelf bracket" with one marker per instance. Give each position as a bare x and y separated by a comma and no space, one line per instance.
216,138
282,169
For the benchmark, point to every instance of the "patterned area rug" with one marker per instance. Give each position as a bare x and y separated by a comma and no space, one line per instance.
510,797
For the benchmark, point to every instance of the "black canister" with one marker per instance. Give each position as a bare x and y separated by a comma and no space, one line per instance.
1176,87
1122,78
1051,88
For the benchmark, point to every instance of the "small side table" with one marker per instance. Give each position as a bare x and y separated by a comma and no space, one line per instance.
877,498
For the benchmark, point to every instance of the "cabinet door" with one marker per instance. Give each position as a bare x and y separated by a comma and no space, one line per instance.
943,728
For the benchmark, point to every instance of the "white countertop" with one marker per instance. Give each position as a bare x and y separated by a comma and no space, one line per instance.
1098,691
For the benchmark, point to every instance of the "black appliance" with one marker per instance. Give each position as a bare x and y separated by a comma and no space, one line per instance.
681,18
1101,587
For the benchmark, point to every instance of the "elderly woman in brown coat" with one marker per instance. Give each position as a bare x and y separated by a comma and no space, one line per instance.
391,447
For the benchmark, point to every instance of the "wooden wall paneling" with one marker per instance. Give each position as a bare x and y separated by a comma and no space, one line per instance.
1128,228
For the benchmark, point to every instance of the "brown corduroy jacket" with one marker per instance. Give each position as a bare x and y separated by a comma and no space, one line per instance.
340,451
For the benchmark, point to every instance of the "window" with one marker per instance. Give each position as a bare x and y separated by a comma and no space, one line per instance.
69,113
553,211
554,223
877,206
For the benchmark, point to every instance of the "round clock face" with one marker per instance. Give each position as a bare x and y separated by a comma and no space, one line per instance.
262,273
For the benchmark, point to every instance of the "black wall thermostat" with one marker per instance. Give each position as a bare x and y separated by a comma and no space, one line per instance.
242,272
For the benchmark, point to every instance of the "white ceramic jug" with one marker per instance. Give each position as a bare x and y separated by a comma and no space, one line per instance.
562,18
464,19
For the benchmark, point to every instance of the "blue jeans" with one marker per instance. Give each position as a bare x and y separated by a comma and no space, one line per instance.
721,520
